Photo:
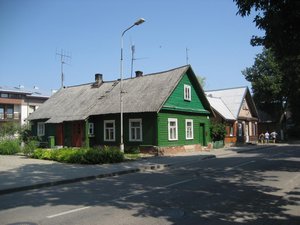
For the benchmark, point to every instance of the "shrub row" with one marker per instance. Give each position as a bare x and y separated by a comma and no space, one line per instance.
80,156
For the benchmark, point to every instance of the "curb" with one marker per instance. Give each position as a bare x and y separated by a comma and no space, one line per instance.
94,177
80,179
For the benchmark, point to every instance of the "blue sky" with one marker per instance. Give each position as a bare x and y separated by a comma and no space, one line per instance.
33,31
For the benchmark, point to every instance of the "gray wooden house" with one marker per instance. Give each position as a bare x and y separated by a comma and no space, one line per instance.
167,109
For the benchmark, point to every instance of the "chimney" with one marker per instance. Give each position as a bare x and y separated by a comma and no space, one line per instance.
138,73
98,79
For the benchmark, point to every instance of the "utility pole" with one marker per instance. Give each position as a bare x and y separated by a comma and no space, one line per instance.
63,57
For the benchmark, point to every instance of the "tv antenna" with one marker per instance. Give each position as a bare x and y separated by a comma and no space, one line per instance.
133,58
187,55
63,56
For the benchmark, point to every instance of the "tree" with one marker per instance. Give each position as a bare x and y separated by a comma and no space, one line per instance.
202,80
267,83
9,129
280,21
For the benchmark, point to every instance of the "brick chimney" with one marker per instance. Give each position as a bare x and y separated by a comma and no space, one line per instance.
98,79
138,73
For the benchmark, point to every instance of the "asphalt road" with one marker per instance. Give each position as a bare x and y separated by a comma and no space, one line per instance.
257,187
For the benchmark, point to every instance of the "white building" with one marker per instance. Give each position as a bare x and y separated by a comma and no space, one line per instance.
17,103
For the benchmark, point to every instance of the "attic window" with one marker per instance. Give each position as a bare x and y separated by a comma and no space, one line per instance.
187,92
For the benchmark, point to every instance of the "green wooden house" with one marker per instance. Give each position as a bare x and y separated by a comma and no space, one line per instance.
166,111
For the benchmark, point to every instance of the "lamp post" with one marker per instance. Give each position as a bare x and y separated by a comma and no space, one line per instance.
138,22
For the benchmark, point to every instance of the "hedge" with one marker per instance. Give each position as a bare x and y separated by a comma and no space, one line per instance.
81,155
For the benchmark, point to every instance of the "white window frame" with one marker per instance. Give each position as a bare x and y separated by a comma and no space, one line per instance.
135,130
170,137
113,129
40,129
91,129
189,135
187,92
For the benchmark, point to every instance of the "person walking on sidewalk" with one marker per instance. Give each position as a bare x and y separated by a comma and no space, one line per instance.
267,136
273,136
261,138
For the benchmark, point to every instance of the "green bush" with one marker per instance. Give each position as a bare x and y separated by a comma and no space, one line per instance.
29,147
80,156
217,131
9,147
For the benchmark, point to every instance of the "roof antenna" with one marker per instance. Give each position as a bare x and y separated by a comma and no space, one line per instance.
132,57
63,55
187,55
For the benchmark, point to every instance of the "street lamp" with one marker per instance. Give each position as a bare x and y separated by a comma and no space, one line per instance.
138,22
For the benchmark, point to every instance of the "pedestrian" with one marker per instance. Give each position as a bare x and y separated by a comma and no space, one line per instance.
261,138
267,136
274,136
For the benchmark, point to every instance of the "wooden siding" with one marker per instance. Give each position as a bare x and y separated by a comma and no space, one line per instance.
176,100
49,130
201,128
148,129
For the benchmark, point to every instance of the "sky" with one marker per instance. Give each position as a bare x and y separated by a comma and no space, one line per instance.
34,32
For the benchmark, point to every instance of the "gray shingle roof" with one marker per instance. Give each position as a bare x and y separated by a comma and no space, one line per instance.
141,94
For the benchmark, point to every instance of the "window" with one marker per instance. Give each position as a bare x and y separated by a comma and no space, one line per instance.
172,129
91,129
254,129
189,129
31,109
4,95
135,130
109,130
231,131
187,92
40,128
10,112
1,112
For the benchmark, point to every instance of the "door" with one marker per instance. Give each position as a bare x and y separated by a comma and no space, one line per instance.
240,136
59,134
77,133
202,134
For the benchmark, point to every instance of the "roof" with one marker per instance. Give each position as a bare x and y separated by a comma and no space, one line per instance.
233,99
140,94
29,92
220,108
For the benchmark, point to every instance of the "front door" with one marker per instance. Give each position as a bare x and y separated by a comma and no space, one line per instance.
59,134
240,136
77,133
202,134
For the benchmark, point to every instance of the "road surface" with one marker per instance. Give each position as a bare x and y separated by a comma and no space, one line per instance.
257,187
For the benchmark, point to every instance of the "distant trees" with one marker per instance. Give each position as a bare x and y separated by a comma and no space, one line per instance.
267,83
280,21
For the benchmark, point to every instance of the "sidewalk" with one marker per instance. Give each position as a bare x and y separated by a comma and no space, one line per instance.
18,173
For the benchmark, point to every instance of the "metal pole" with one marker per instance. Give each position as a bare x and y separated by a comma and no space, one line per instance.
121,84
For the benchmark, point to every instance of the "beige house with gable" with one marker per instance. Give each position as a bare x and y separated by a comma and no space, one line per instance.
236,109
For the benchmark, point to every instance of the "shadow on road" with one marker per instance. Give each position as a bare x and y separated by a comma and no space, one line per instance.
210,192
